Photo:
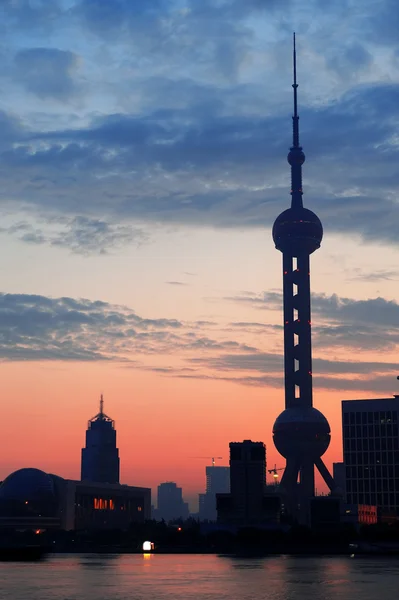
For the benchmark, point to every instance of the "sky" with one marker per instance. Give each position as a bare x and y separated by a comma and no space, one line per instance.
142,164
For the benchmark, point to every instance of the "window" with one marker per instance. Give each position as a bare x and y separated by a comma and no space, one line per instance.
103,504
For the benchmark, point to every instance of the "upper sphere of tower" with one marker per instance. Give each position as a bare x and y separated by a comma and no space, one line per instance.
297,231
296,156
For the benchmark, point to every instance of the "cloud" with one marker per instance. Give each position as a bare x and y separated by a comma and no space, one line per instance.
27,15
376,311
47,72
181,149
185,111
375,276
40,328
80,235
371,324
328,374
374,385
36,327
177,283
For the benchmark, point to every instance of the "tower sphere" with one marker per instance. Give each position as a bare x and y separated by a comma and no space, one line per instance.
296,156
301,433
297,231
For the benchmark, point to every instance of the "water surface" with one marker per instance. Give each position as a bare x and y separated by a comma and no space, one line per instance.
200,577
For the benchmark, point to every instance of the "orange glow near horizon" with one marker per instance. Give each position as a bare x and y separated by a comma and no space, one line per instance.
161,422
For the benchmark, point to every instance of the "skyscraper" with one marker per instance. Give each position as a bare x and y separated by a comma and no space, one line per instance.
100,457
217,482
247,504
371,453
301,433
170,502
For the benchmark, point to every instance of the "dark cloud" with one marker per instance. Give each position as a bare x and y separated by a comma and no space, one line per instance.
181,149
371,324
47,72
28,14
374,276
272,363
67,329
188,112
373,385
373,311
328,374
40,328
80,235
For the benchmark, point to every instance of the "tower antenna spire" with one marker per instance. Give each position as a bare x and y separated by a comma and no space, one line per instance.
101,405
295,118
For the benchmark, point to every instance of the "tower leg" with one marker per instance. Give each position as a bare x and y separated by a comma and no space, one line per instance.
289,487
306,492
324,472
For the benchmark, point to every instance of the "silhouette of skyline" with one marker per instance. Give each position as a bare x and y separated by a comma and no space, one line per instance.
139,183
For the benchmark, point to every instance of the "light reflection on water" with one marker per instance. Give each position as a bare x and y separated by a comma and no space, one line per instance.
199,577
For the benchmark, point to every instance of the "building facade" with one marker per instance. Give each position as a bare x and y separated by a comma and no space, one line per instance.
247,504
171,505
32,499
100,457
371,454
217,482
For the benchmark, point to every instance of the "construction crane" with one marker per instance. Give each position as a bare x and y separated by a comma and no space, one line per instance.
213,458
275,472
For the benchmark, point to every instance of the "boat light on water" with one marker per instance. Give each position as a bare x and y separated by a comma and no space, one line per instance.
148,546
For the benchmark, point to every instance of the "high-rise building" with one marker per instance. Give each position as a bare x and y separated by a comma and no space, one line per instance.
171,505
217,482
217,479
100,457
247,504
371,453
301,433
339,476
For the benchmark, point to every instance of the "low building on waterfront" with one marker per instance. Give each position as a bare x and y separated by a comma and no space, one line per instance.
33,499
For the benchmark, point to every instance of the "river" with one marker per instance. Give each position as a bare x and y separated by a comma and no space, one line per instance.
200,577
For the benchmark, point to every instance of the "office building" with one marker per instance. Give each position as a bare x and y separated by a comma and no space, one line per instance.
217,482
100,457
247,504
301,433
371,454
171,505
31,499
339,477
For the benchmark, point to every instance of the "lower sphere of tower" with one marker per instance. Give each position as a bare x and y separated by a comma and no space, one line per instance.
297,231
302,433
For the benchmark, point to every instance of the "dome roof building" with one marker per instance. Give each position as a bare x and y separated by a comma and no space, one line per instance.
28,492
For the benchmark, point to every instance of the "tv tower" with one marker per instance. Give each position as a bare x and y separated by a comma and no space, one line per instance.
301,433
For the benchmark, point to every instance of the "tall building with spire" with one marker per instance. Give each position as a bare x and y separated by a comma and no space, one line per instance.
100,457
301,433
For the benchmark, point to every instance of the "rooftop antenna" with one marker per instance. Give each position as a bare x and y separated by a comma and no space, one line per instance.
101,405
296,157
295,118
